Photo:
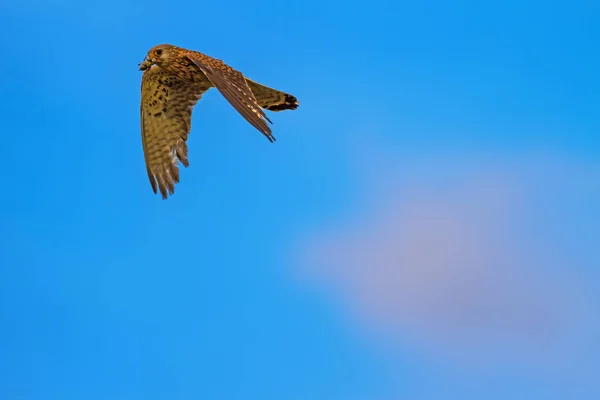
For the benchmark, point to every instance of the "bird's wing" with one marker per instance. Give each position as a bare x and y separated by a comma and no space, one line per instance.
166,114
271,99
234,88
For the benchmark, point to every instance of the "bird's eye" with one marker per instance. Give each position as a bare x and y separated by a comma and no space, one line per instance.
158,52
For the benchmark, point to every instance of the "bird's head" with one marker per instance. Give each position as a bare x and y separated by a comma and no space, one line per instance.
158,55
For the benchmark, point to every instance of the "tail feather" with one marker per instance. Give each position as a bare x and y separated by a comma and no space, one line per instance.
271,99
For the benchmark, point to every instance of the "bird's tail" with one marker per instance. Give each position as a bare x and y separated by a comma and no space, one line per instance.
271,99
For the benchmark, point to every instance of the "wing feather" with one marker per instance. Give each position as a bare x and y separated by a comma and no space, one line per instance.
166,111
235,89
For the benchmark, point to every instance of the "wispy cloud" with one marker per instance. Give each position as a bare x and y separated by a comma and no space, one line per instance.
467,260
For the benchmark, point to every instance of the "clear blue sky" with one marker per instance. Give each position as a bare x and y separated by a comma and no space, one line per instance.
221,292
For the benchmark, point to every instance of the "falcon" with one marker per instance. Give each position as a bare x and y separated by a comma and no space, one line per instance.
173,81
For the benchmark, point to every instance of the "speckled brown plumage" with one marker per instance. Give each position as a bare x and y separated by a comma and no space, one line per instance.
174,80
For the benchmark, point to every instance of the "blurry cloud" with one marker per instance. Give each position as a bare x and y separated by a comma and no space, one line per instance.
471,256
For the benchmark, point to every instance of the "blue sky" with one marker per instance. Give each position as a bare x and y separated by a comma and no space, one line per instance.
425,226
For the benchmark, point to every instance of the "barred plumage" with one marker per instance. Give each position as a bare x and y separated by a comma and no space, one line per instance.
174,80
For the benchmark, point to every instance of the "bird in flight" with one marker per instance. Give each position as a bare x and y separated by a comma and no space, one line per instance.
173,81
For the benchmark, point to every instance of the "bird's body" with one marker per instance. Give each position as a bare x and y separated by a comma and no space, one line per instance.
174,80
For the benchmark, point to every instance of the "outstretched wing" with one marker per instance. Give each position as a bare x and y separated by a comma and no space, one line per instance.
166,114
272,99
234,88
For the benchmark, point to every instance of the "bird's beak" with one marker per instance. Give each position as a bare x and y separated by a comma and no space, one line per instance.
144,65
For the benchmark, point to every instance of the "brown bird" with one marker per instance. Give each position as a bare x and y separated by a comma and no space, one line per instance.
174,80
